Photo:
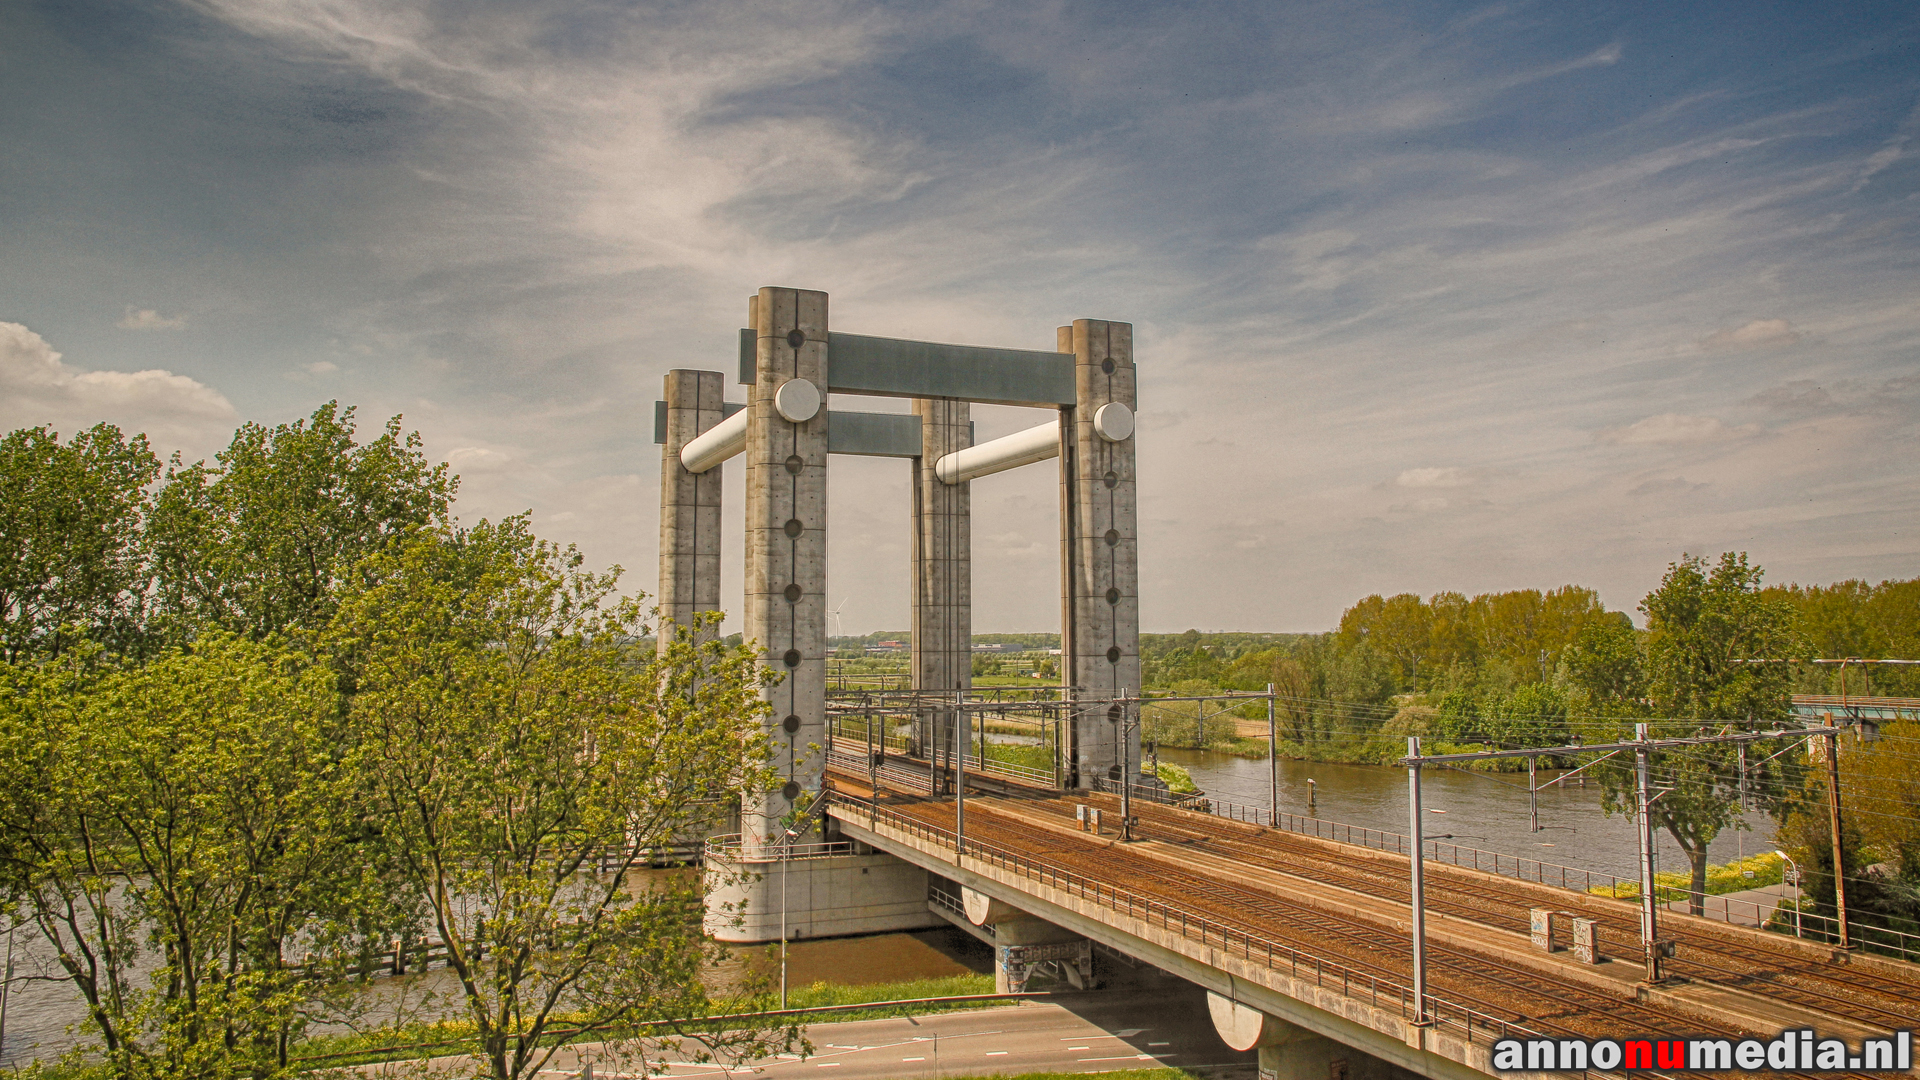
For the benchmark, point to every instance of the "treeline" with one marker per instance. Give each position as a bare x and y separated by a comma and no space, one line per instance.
262,715
1480,665
1719,652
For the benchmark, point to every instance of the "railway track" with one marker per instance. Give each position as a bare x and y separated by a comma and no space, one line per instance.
1462,976
1867,997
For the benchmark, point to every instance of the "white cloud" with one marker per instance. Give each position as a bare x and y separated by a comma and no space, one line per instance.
478,459
1433,478
37,388
1758,334
322,367
149,319
1675,429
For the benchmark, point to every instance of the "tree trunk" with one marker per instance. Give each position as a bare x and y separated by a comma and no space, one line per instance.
1697,888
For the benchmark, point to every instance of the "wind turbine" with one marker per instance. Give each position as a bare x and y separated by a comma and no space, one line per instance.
835,616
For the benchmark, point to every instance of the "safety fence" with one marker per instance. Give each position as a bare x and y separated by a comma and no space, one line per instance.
1469,1024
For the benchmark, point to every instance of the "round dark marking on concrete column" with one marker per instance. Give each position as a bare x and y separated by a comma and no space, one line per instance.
1113,537
1107,365
792,658
1113,596
1113,654
796,338
1112,479
791,724
795,463
792,527
791,790
792,593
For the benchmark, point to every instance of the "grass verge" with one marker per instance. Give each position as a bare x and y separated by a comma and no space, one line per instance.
448,1037
1767,869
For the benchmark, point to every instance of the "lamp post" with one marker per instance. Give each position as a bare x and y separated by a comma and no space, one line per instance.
1273,764
1533,792
962,735
786,856
1126,771
1417,908
1792,878
1833,813
1649,903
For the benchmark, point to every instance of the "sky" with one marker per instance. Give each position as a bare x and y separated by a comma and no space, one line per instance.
1426,296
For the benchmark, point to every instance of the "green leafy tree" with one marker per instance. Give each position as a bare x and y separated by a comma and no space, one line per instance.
172,830
1454,642
1703,626
71,566
1530,630
523,754
1607,668
1535,714
1398,627
1855,619
259,541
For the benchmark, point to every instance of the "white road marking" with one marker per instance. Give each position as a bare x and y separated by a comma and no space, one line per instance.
913,1059
996,1053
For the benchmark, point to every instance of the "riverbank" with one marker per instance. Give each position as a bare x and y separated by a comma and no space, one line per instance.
1373,751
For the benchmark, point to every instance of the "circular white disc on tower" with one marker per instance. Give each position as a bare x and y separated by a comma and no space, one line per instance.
1113,421
799,400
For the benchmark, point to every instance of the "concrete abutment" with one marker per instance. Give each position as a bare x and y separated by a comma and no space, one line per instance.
1290,1052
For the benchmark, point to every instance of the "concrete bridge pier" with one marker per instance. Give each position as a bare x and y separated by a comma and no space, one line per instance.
816,891
786,566
1025,946
1099,534
942,579
689,505
1290,1052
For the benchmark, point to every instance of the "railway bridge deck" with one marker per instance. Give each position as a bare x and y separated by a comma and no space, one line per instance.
1314,932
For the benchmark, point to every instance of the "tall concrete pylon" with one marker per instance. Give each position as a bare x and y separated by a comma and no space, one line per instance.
689,505
786,522
1099,538
942,585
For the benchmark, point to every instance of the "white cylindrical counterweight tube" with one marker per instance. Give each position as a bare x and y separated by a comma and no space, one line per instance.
999,455
716,444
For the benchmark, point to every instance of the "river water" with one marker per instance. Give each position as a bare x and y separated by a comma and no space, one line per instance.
41,1011
1482,811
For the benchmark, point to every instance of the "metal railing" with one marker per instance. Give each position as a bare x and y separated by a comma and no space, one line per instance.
849,752
1553,875
1469,1023
1572,878
730,848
